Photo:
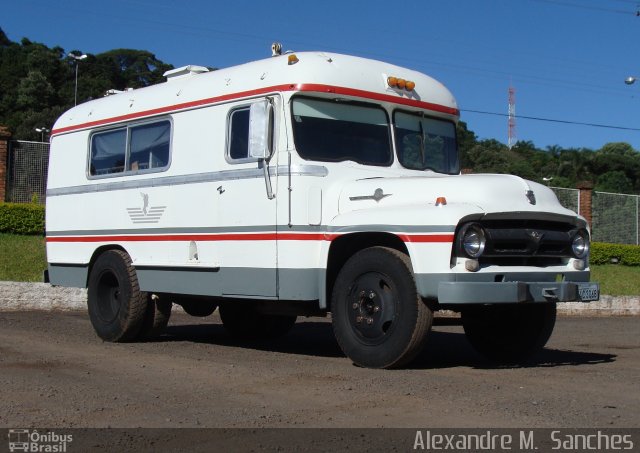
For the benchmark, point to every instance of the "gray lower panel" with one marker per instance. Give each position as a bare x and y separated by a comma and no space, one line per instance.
301,284
71,275
294,284
246,282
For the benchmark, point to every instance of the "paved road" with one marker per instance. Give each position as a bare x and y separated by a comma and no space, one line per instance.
55,372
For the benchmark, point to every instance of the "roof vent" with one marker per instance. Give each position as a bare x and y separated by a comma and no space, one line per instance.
114,91
184,71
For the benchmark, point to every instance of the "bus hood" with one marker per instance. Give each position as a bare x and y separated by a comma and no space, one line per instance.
474,193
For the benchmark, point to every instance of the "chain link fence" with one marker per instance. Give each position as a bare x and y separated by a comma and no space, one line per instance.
27,167
569,198
615,218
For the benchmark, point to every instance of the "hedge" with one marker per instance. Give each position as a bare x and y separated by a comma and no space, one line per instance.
603,253
21,218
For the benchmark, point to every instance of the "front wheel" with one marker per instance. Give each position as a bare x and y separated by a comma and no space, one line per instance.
509,334
378,318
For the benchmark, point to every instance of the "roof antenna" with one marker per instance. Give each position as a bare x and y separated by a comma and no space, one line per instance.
276,49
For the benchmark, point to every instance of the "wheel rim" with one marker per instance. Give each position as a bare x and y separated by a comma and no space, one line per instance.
372,306
109,297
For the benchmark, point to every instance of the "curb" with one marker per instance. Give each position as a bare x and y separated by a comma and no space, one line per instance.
21,296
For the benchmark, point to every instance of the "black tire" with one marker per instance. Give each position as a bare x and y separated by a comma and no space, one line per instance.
509,334
155,319
116,305
243,321
378,318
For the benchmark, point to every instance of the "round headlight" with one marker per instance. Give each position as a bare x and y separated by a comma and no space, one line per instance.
580,245
473,240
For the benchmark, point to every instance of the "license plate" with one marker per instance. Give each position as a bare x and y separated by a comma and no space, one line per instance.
588,291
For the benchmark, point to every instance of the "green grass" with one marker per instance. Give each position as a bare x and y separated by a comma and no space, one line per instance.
617,280
22,259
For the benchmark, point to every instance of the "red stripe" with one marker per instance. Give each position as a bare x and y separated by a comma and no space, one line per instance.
309,87
378,97
237,237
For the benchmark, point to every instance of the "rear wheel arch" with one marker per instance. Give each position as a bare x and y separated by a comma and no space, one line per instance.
99,251
347,245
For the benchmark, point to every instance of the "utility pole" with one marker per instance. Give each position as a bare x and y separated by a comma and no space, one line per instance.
77,59
512,135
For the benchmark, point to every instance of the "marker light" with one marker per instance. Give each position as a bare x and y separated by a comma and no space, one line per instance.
292,59
396,82
441,201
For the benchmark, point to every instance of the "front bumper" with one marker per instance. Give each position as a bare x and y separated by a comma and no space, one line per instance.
516,292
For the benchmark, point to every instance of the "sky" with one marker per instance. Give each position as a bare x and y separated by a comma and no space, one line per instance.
566,59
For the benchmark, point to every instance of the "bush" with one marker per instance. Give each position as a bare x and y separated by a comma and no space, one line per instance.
21,218
603,253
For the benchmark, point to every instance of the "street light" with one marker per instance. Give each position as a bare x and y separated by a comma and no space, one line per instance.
77,58
630,80
42,130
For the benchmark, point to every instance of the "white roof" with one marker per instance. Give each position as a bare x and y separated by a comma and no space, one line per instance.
317,72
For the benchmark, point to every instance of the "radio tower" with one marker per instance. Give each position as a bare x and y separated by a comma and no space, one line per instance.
512,136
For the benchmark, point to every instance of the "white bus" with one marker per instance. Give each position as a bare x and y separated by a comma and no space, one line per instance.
304,184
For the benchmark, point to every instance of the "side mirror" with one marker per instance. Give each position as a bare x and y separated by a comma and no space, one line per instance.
260,130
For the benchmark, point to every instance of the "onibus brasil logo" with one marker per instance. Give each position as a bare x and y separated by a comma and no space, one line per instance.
33,441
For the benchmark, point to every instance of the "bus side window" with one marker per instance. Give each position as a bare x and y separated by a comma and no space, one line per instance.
238,134
108,152
149,146
133,148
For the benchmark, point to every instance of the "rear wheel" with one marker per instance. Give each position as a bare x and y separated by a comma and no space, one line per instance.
509,333
378,318
117,307
244,321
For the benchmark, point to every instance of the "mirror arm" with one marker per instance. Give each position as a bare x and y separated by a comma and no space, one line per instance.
267,179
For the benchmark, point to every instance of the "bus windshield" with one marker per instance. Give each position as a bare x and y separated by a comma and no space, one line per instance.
426,143
336,131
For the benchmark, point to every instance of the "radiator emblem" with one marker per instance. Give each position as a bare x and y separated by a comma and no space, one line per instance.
531,196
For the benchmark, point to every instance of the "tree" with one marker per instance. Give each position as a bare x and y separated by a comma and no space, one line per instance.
488,156
37,82
4,41
466,140
617,160
34,92
133,68
615,182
